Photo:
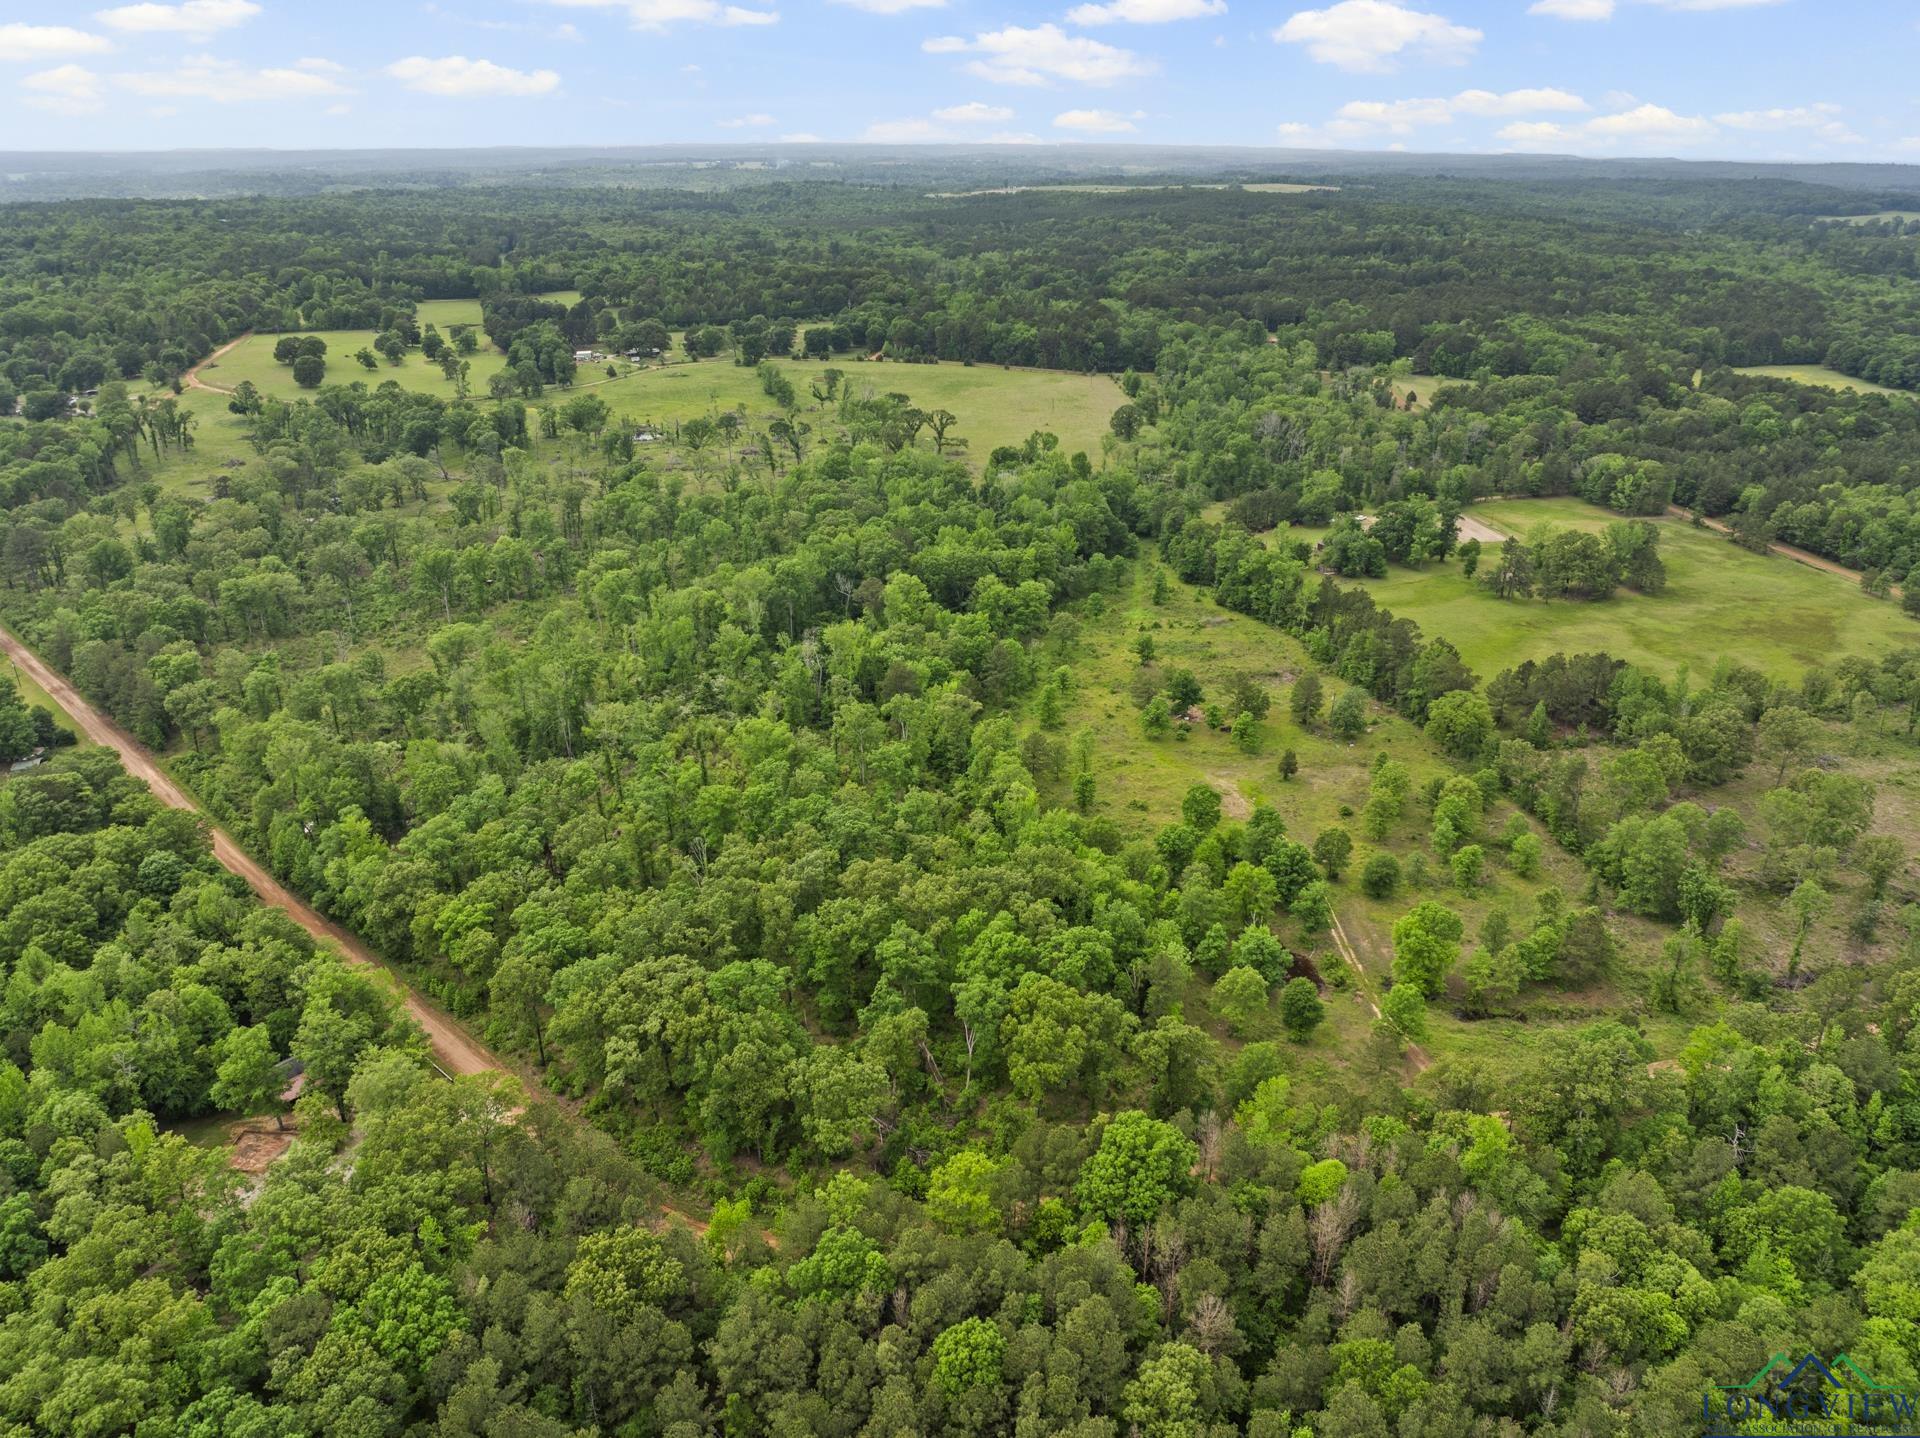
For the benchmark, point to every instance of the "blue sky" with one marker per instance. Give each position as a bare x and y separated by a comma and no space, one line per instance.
1772,79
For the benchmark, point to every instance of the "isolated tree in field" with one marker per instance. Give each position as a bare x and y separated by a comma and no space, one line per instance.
309,371
1348,718
1289,765
1200,808
1380,876
367,358
1426,943
1469,863
1333,847
1470,557
1301,1011
1512,574
1524,854
1461,723
1246,733
1306,700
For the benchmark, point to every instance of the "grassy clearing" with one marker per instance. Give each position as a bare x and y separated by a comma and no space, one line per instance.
1720,600
1818,374
447,313
1140,782
995,406
1876,217
252,359
1422,387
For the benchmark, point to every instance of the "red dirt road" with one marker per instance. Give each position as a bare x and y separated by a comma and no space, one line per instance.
191,379
453,1049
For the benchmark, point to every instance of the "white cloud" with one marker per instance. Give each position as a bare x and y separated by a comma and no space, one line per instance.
974,112
1534,134
906,132
747,122
205,78
195,17
1654,123
63,90
1371,36
319,66
800,137
1093,122
341,108
938,128
660,14
1019,55
1518,102
1358,118
1145,12
1604,9
458,77
1573,9
1822,121
892,7
27,43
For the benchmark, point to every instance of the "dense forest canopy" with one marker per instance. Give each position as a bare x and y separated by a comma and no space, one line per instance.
1029,939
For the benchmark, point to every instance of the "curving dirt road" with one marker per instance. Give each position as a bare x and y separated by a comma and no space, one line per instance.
453,1049
191,379
1791,551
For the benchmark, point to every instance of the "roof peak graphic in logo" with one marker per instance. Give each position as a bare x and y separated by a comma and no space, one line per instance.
1810,1362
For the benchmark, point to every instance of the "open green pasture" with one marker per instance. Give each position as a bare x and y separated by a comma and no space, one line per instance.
252,359
995,406
445,314
1819,374
1720,600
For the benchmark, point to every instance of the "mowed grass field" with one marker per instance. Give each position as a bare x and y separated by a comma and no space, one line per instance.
252,359
1720,600
996,406
1819,374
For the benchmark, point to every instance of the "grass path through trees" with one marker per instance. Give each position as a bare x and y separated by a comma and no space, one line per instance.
454,1050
